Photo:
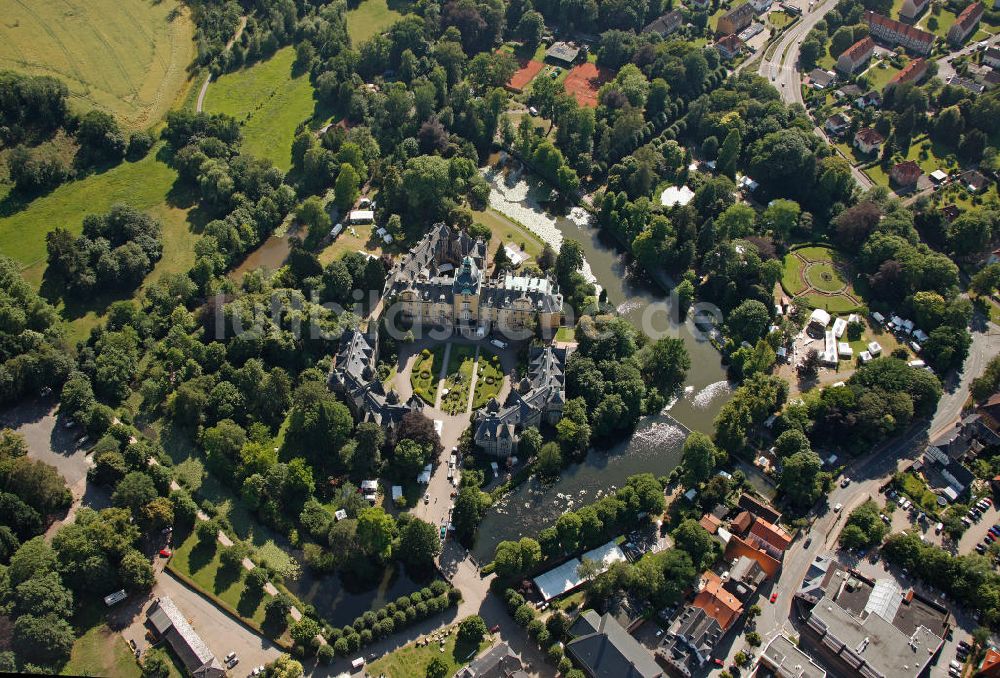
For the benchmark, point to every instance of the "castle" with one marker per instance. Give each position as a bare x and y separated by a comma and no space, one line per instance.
441,284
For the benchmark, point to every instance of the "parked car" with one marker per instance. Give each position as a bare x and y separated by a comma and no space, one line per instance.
229,656
165,553
232,662
495,629
774,596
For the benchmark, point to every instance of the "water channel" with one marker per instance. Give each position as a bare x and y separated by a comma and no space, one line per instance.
656,444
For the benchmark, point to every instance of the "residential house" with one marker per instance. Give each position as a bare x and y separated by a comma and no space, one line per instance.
870,100
868,140
911,72
693,634
821,79
735,20
974,181
497,662
666,24
602,648
757,508
966,23
837,124
893,32
729,46
699,5
992,78
168,623
991,57
856,57
905,174
912,9
848,91
990,668
745,577
761,6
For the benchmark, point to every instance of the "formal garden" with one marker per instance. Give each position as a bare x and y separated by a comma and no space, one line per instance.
489,378
455,393
818,275
424,375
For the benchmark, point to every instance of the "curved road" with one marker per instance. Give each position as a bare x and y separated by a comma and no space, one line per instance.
208,78
782,69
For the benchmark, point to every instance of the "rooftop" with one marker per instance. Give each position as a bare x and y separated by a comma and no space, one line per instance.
607,650
786,660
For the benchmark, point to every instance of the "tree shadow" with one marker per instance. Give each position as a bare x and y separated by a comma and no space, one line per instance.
249,602
226,576
273,625
201,555
75,306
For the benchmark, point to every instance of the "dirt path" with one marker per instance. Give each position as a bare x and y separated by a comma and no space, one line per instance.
208,78
472,380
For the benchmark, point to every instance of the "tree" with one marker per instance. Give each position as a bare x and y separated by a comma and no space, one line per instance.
694,540
44,639
666,364
155,663
782,216
313,215
729,154
549,461
419,543
100,137
345,191
749,321
43,594
791,442
134,491
375,532
698,459
304,632
39,484
800,478
470,504
809,367
471,631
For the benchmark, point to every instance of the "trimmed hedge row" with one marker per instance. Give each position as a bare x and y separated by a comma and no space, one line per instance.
405,611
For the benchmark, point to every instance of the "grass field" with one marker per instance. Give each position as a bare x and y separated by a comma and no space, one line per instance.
509,233
128,57
371,18
880,74
823,276
201,564
412,660
269,101
101,652
489,378
778,19
810,271
791,275
938,24
929,155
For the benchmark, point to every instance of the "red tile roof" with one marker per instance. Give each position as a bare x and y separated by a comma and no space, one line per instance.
772,534
899,27
738,546
731,42
717,602
969,16
991,664
858,50
710,523
911,72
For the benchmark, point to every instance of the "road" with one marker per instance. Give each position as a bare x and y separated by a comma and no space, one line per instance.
782,69
867,474
946,70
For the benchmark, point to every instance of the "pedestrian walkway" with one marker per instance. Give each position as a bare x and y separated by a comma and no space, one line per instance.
472,381
442,375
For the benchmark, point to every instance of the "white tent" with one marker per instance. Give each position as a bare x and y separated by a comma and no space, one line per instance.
844,350
875,348
839,327
676,195
819,317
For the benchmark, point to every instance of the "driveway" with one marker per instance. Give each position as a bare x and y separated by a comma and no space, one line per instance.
221,633
48,440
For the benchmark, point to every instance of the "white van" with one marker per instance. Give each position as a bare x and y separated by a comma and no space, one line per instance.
358,663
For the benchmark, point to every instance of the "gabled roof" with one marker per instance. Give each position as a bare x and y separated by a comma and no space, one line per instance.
731,43
858,50
906,172
609,651
666,24
772,534
869,136
911,72
969,16
717,602
899,28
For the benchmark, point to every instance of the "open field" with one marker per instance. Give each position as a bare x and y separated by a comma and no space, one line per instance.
128,57
269,101
879,75
143,184
939,23
412,660
99,651
509,233
929,155
371,17
348,242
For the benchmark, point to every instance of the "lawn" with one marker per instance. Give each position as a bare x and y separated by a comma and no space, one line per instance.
489,378
270,101
929,155
412,660
424,376
879,74
352,239
371,17
566,334
509,233
201,565
791,275
128,57
101,652
823,276
939,23
455,397
778,19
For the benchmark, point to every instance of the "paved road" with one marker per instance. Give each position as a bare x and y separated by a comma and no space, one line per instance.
985,345
946,70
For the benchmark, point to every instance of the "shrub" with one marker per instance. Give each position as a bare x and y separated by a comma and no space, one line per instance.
438,587
341,647
325,654
555,653
366,637
454,596
421,610
524,614
353,641
399,618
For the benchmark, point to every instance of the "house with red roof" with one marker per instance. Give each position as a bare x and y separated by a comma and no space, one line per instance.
856,57
729,46
966,23
990,668
905,174
911,9
894,33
